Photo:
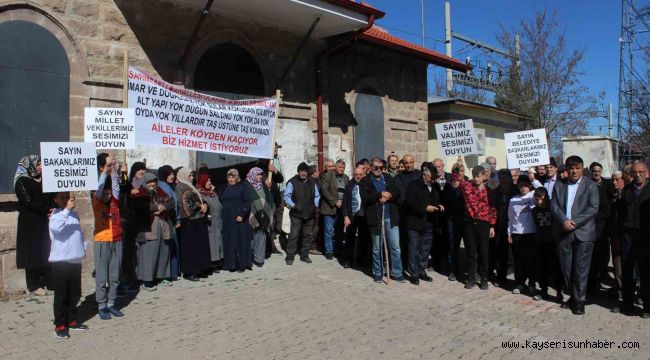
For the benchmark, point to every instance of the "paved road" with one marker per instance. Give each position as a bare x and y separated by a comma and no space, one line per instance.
319,311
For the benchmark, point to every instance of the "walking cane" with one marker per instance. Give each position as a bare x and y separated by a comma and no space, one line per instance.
383,236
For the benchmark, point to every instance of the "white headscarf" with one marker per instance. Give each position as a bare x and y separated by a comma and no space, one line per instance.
183,177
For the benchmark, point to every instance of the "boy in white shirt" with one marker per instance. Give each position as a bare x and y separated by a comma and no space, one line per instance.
521,234
66,253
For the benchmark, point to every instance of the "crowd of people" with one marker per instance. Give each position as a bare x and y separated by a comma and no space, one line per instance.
556,226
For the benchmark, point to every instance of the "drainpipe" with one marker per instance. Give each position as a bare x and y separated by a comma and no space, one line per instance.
319,83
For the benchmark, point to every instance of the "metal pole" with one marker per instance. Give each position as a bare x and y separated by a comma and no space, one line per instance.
450,82
610,117
422,19
621,82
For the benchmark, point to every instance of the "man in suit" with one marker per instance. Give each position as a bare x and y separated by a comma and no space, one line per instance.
333,184
574,206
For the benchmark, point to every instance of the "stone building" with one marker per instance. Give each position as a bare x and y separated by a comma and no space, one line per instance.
349,88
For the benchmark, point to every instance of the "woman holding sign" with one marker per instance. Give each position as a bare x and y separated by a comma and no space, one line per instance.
33,237
195,247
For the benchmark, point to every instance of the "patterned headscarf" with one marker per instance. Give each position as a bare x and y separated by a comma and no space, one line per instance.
252,178
27,168
235,173
183,177
201,182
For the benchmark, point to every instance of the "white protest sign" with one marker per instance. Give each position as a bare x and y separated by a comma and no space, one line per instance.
68,166
110,128
526,148
172,116
457,138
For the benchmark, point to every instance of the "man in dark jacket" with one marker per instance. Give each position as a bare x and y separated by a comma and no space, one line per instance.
302,197
402,181
454,205
332,189
442,228
499,246
422,202
634,218
380,204
354,219
600,256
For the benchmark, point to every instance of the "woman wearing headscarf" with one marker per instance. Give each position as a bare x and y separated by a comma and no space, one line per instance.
215,226
33,237
153,244
260,219
167,183
134,209
237,233
195,246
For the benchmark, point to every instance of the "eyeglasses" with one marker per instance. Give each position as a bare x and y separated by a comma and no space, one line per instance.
378,168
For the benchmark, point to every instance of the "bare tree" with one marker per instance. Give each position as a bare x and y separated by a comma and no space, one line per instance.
544,82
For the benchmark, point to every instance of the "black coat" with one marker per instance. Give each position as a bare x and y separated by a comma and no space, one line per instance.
371,205
346,209
33,236
454,202
634,212
418,197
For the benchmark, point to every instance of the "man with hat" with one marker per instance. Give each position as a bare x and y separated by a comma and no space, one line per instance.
302,198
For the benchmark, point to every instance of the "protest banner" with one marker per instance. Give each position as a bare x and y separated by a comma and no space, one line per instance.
110,128
68,166
171,116
457,138
526,148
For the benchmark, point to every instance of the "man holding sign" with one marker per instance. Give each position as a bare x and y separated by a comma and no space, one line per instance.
108,236
526,148
68,166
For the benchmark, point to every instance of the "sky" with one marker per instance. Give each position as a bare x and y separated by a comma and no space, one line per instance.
592,25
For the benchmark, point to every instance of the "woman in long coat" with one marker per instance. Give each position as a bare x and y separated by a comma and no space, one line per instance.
33,237
153,244
261,217
237,233
167,183
136,215
195,246
215,225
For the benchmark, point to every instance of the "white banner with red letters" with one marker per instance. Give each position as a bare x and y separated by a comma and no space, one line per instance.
172,116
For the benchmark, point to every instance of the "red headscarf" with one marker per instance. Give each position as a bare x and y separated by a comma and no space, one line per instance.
201,182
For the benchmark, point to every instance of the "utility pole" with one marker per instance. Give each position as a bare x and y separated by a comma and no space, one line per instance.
450,81
422,19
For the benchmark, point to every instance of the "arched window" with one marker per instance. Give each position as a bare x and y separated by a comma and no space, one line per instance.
369,132
34,94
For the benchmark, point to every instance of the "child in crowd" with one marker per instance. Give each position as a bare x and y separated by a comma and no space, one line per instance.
66,253
521,234
108,236
548,261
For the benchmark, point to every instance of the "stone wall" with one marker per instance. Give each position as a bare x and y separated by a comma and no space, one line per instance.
97,35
